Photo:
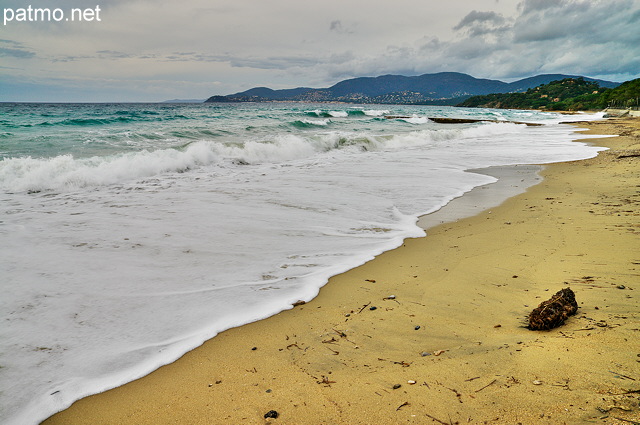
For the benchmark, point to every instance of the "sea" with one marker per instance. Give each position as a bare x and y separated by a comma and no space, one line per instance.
132,233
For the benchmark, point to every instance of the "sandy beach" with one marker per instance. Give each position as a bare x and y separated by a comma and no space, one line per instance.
435,330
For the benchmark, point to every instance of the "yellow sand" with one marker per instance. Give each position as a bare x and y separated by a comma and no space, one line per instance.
469,287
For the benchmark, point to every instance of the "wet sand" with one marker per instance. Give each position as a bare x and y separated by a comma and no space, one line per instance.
446,342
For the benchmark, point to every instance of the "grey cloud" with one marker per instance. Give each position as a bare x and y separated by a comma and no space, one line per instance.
528,6
478,24
574,36
254,62
336,26
16,53
103,55
476,17
70,58
324,45
593,22
114,54
276,62
15,49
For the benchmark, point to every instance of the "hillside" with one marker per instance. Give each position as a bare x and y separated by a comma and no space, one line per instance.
568,94
625,95
444,88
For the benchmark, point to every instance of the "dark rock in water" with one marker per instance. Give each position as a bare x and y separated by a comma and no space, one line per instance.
553,312
271,414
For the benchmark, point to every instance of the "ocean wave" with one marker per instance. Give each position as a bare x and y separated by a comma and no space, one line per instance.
117,117
375,112
65,172
340,114
318,113
415,120
310,123
89,121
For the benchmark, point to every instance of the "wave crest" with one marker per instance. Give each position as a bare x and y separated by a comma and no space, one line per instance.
310,123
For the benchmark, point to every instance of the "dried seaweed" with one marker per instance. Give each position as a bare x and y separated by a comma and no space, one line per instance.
553,312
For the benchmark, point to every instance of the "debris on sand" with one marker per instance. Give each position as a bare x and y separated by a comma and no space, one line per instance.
553,312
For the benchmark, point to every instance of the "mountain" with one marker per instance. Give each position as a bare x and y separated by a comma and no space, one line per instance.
444,88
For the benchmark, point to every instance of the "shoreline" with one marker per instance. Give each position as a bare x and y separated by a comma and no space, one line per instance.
511,180
460,297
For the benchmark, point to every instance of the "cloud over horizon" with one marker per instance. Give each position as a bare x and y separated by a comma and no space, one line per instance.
150,51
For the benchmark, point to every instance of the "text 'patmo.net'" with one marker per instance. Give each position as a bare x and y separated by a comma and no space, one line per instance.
37,14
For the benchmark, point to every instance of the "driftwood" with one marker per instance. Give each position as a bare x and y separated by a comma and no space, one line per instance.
441,120
553,312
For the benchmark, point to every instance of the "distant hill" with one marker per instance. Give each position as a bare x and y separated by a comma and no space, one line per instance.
531,82
567,94
444,88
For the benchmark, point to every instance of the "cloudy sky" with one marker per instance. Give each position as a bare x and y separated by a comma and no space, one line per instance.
152,50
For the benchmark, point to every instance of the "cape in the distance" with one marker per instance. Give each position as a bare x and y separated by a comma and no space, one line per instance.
443,88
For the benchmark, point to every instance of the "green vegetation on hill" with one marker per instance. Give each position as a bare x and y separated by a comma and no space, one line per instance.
626,95
569,94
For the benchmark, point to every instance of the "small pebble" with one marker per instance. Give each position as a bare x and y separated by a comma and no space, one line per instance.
254,348
396,386
411,382
425,354
271,414
417,327
620,286
373,308
536,382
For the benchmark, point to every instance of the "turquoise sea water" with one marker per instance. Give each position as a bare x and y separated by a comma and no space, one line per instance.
132,233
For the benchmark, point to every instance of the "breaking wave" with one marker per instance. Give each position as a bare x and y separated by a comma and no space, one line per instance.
64,172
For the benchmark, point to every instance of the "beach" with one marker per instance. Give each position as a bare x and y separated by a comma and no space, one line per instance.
435,330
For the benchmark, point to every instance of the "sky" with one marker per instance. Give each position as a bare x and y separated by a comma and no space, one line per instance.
154,50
